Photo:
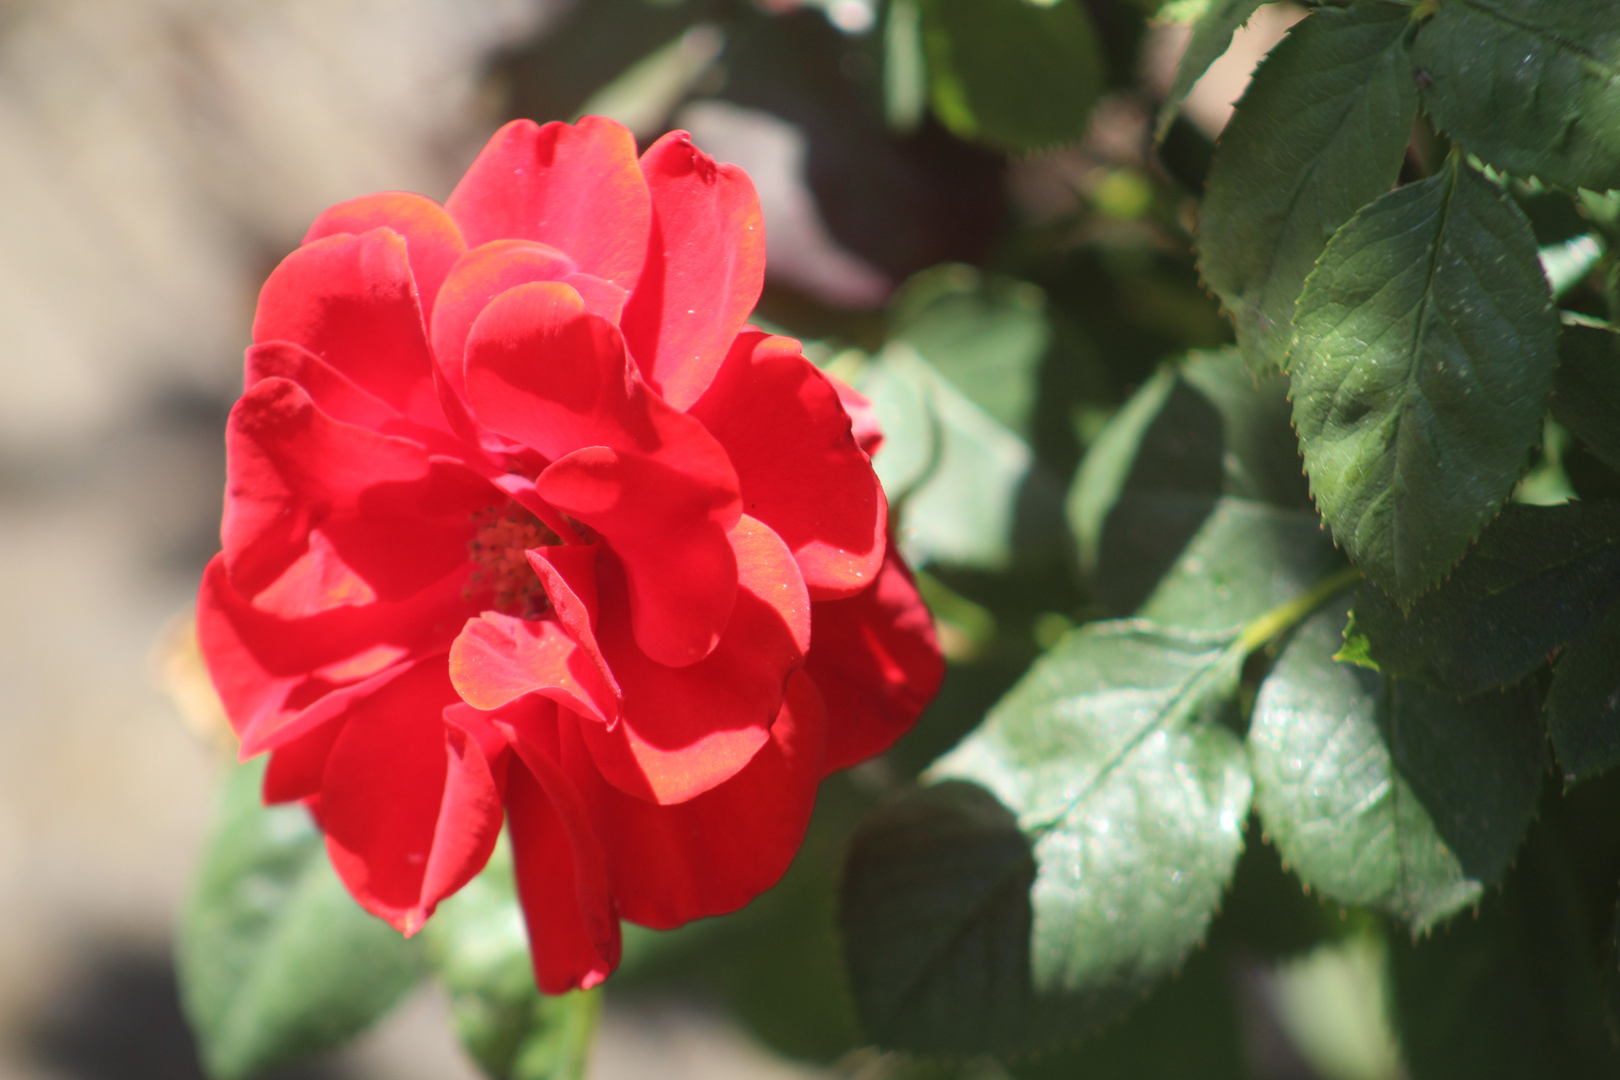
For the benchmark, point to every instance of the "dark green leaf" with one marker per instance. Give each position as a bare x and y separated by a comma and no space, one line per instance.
478,946
1385,794
935,914
1528,85
1537,577
986,335
1583,706
1158,469
1211,36
1586,391
1259,455
1014,74
1475,765
1423,356
1510,994
1133,797
276,960
1247,558
1320,133
1190,1027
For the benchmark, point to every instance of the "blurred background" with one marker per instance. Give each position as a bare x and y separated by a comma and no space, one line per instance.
158,157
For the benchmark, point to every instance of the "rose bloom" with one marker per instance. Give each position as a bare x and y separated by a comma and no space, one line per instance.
523,522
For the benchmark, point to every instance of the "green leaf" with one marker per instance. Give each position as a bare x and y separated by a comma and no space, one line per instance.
1246,559
966,470
986,335
478,946
1423,356
1538,576
1512,993
1156,472
1016,74
1583,706
1527,85
1192,1026
1383,793
1106,470
276,961
1133,798
936,917
1211,36
1586,390
1320,133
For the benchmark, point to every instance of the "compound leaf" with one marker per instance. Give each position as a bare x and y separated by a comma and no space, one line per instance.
1320,133
276,961
1528,85
1423,356
1538,576
1383,793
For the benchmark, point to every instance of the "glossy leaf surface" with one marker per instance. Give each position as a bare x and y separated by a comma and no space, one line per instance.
1422,360
1319,134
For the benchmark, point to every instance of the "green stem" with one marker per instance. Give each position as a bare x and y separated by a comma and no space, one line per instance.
1285,617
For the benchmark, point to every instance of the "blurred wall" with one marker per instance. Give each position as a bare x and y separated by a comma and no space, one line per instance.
156,158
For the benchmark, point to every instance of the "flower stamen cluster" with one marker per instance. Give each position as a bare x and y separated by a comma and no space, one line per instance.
499,550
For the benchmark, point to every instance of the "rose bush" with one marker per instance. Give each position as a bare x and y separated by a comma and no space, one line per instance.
522,522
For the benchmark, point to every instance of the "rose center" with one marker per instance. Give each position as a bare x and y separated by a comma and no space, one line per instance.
502,576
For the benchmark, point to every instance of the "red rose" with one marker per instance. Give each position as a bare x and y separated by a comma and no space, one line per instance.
522,518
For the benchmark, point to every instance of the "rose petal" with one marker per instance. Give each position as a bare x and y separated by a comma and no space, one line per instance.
333,392
481,275
799,467
408,801
265,666
545,371
568,574
714,853
432,239
351,300
560,866
685,730
863,419
297,766
877,664
498,658
293,468
705,268
576,187
668,531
